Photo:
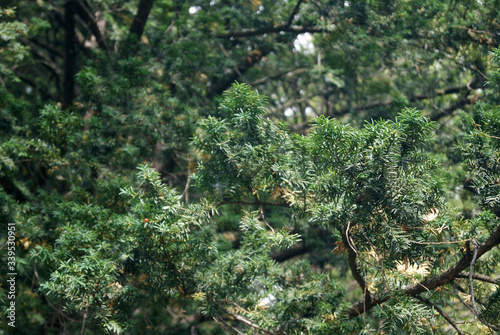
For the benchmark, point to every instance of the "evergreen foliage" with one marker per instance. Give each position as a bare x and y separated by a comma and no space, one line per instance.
154,190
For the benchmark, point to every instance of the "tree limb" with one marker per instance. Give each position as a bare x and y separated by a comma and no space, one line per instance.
470,278
285,28
258,53
431,283
380,103
253,57
70,55
448,111
416,97
294,12
281,256
37,42
292,72
44,58
480,277
271,29
227,327
83,322
352,254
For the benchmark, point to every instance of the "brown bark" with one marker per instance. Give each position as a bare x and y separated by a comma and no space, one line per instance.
431,283
448,111
141,17
353,266
70,53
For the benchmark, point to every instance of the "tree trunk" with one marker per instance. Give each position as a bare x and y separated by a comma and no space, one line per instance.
70,54
141,17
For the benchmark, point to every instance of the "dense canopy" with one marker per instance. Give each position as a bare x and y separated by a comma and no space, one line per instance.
250,167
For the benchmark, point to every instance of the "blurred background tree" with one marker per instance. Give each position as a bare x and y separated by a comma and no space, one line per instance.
92,89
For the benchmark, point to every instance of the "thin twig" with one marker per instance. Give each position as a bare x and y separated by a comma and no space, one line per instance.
294,71
255,203
245,320
270,30
381,261
480,277
440,311
437,243
295,11
194,330
57,309
361,281
470,278
484,322
83,322
185,193
264,219
226,326
490,136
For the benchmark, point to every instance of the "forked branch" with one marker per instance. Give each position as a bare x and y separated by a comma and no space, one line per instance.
431,283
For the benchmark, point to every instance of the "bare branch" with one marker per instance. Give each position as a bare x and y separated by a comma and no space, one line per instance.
245,321
440,311
286,28
45,93
224,325
480,277
83,322
352,254
448,111
44,58
91,21
484,322
264,219
281,256
194,330
258,53
256,203
470,278
49,48
294,12
271,29
416,97
379,257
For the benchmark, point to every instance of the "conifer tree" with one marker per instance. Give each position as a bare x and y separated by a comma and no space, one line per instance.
154,190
